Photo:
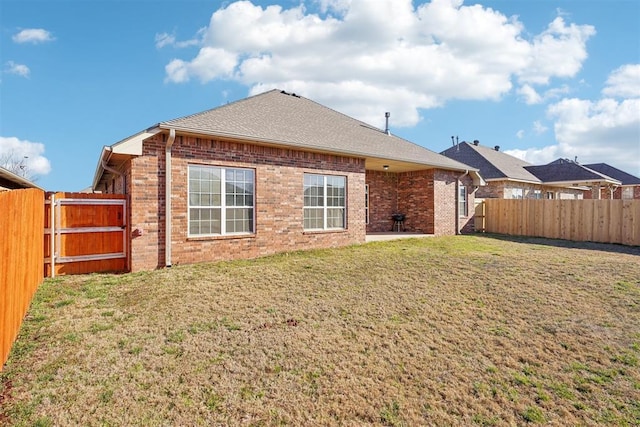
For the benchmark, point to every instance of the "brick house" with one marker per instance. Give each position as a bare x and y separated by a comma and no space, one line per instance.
629,187
509,177
271,173
595,185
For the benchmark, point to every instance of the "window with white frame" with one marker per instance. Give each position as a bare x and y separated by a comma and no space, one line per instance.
550,195
517,193
221,201
462,201
537,194
324,202
627,192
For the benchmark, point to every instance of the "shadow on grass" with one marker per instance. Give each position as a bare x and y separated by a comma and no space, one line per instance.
569,244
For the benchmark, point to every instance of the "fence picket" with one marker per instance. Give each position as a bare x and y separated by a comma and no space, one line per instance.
606,221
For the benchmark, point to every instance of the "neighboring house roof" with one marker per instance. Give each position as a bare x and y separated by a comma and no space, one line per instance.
568,172
615,173
493,164
287,120
11,181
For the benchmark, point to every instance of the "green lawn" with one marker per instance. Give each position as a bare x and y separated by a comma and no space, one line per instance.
464,330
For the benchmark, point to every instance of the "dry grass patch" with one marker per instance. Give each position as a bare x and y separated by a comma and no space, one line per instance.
444,331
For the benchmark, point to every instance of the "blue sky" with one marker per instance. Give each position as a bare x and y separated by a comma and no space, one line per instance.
542,79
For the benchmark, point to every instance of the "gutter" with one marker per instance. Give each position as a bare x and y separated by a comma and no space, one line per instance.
315,148
167,197
105,166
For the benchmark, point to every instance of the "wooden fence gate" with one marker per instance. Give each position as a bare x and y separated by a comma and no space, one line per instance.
85,233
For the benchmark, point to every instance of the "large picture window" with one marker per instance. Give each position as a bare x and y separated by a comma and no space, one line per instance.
221,201
324,202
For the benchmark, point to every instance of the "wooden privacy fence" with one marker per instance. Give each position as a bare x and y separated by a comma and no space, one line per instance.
606,221
21,254
85,233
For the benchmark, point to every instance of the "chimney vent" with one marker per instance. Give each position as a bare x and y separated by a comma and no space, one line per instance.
497,148
476,142
386,126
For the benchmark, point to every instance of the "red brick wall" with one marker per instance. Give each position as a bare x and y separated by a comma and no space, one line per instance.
383,200
279,201
427,198
416,200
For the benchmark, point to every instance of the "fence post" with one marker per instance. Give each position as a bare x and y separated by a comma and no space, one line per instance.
52,236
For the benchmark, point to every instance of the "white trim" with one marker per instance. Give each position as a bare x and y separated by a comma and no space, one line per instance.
325,207
223,204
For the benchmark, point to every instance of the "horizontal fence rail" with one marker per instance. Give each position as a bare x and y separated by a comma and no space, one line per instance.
605,221
85,233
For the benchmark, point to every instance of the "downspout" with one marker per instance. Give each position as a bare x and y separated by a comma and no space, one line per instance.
167,198
457,209
116,172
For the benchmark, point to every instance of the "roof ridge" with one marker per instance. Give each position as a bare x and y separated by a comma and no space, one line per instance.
237,101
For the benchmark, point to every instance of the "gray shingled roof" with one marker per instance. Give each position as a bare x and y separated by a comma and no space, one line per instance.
286,119
615,173
493,164
564,170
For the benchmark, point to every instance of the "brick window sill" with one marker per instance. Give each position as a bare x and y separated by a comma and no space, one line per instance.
221,237
342,230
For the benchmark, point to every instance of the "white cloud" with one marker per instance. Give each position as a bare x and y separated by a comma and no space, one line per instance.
624,82
537,156
364,57
33,35
166,39
596,131
31,153
17,69
539,128
530,95
559,51
593,131
520,134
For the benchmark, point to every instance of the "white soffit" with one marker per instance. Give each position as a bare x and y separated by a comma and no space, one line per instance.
133,144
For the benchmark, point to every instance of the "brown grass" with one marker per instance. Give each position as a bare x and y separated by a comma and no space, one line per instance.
443,331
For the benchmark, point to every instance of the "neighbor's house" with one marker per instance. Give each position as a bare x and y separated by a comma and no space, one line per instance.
12,181
568,172
276,172
630,185
509,177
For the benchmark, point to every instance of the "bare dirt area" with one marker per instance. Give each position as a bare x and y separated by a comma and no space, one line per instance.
463,330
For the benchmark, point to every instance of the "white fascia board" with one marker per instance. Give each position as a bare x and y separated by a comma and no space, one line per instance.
588,182
515,180
477,178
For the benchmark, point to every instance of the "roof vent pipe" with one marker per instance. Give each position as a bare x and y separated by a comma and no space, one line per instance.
497,148
476,142
386,126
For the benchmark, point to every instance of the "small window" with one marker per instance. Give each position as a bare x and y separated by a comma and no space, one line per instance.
537,194
550,195
221,201
517,193
462,201
324,202
627,192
